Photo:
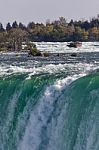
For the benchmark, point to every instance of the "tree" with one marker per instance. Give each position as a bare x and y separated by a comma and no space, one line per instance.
8,26
31,25
22,26
1,27
16,36
85,35
62,21
3,41
14,25
85,25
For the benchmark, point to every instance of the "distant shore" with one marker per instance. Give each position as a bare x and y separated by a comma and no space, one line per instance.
13,35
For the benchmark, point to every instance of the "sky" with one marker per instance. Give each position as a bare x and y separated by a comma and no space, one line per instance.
26,11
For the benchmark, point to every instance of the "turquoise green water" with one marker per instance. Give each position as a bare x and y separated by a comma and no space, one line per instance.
49,112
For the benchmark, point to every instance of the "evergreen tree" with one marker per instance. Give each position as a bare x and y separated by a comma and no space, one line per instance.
8,26
22,26
14,25
1,27
31,25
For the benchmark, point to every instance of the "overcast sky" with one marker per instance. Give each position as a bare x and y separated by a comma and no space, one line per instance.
26,11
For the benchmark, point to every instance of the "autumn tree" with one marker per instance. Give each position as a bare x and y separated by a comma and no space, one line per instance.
16,37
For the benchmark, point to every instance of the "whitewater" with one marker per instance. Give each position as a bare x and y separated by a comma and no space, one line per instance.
50,103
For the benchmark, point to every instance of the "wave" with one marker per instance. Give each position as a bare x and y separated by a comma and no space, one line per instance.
49,113
8,70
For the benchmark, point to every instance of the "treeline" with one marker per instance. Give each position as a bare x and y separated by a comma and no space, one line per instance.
59,30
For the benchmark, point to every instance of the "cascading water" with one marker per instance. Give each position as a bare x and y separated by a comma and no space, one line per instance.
39,116
49,107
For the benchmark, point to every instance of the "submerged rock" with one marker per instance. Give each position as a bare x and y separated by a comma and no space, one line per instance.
75,44
74,55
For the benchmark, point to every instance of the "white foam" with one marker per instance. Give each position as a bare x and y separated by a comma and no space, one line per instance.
50,69
61,47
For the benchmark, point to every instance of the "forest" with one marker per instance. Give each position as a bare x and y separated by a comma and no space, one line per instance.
12,36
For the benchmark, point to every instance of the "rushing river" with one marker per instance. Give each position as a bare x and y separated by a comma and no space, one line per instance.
50,103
